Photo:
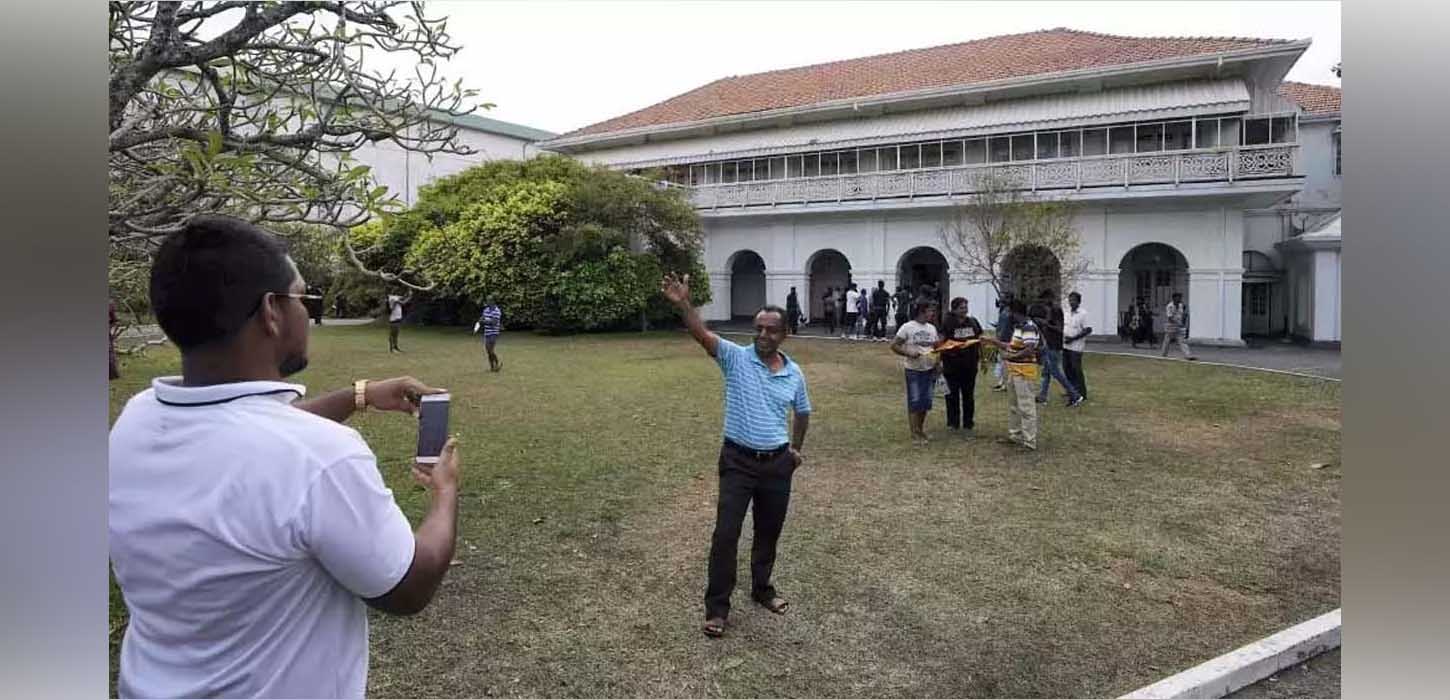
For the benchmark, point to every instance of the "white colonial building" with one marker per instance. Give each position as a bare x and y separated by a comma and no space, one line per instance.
1182,155
403,171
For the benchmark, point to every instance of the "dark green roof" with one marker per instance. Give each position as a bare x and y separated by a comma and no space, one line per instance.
494,126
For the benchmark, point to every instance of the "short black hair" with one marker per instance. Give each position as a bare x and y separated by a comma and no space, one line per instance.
1073,294
208,278
961,300
772,308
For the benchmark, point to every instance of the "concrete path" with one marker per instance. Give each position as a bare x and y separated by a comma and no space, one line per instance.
1266,355
153,332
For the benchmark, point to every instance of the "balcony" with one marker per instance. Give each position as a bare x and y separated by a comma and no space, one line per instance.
1063,175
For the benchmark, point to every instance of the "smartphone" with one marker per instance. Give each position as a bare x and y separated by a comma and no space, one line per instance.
432,427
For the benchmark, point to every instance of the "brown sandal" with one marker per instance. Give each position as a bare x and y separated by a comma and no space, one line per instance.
714,627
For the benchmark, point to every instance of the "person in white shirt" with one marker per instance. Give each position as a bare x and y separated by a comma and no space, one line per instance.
395,319
853,295
914,343
249,529
1075,331
1175,326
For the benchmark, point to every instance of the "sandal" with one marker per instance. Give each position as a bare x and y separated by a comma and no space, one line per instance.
714,627
776,605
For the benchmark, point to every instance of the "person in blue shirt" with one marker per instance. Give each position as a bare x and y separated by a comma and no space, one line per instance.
490,321
762,384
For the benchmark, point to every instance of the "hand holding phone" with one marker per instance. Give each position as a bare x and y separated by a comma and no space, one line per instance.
432,427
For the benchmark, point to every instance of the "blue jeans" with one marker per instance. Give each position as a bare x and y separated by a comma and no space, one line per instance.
1052,367
918,390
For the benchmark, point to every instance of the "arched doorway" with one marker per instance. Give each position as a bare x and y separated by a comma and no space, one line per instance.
1029,270
826,268
1154,272
924,266
747,284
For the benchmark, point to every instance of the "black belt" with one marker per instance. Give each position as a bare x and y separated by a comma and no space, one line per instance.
760,455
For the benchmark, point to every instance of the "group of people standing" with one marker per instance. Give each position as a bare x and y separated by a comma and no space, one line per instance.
1037,344
860,313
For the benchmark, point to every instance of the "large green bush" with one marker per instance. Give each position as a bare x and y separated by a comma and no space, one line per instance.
562,246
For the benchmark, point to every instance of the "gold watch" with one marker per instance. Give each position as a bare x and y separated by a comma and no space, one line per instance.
359,394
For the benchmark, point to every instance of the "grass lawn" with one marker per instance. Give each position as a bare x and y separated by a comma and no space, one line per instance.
1174,517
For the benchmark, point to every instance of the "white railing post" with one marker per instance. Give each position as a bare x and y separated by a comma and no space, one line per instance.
911,185
1032,167
840,186
1127,166
1233,163
1177,168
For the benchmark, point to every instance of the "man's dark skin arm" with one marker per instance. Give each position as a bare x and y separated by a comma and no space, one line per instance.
677,291
800,422
400,394
433,541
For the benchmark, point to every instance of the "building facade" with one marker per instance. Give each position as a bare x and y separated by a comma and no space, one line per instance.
810,177
403,171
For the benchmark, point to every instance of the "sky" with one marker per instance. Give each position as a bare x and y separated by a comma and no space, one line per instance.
560,66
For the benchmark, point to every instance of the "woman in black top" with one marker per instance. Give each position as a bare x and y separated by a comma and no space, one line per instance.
960,366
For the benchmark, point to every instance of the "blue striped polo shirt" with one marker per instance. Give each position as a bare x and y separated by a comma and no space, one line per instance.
756,399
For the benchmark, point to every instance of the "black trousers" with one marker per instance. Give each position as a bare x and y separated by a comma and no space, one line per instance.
878,323
795,319
831,319
393,327
961,399
746,476
1072,366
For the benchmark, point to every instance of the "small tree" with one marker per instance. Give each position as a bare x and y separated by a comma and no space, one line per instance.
1002,231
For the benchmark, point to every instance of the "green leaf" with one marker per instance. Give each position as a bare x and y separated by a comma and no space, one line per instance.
359,172
213,144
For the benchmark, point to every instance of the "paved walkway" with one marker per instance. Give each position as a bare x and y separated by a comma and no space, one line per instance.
1261,354
153,332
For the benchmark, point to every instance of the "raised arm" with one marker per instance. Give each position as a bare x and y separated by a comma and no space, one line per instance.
677,291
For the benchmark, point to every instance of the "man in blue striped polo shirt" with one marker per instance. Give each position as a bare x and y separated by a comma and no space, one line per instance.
756,460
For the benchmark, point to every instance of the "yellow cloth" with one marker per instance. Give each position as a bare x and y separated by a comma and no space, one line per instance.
957,345
1026,370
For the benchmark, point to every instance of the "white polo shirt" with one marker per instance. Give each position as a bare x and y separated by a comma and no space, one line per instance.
244,534
1074,323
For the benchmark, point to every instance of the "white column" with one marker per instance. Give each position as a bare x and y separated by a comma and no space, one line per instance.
1099,290
1326,295
1214,306
719,307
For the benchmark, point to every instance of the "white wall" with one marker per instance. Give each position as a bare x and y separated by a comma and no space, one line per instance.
403,172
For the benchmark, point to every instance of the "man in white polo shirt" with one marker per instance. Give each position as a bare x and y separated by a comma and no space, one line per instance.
247,527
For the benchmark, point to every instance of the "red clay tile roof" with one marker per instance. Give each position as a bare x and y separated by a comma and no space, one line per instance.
1313,99
979,61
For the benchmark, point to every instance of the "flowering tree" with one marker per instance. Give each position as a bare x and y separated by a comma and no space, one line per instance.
254,109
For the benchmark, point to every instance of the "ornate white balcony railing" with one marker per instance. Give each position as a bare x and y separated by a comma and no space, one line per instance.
1123,170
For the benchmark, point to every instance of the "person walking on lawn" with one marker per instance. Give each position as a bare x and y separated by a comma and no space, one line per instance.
959,366
395,319
1049,320
793,312
1023,371
762,385
1074,343
1175,326
490,321
914,343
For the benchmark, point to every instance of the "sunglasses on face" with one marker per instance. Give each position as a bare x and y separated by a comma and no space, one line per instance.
289,295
